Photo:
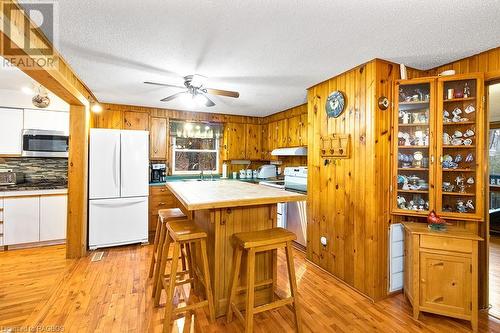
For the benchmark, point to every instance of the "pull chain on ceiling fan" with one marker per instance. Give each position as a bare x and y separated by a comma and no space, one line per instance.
196,91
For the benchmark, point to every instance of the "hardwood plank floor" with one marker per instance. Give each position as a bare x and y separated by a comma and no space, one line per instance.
113,295
495,276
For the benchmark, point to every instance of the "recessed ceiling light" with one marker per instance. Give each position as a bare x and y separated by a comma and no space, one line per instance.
96,108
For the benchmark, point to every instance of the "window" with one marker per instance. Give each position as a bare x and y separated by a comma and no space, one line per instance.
195,147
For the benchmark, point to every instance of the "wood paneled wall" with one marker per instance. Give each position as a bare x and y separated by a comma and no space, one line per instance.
112,115
487,62
348,201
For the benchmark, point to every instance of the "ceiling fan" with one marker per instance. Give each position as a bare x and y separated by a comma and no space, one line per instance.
196,91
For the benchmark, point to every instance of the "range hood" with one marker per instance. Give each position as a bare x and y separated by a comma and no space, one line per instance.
296,151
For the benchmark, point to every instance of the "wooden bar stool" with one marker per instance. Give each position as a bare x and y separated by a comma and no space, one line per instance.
164,216
183,233
254,242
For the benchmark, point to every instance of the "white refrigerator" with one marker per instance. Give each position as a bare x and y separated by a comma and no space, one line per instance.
118,187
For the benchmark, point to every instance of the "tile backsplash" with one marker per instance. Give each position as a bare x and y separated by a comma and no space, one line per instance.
37,169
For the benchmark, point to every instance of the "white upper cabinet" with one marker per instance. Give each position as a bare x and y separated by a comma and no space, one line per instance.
11,126
46,120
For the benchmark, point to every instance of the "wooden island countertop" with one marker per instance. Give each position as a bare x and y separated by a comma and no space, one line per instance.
222,208
196,195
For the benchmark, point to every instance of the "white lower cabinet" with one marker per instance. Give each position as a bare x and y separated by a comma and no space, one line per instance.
34,219
53,217
21,220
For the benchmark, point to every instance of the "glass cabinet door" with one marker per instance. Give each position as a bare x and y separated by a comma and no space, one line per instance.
460,145
413,146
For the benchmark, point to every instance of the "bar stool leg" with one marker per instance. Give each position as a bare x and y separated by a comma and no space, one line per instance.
208,285
155,248
190,267
293,285
235,273
159,255
250,291
171,287
158,286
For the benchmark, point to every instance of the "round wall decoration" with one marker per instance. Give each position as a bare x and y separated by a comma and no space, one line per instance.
335,104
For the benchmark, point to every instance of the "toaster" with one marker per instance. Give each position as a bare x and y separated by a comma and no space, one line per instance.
266,171
7,177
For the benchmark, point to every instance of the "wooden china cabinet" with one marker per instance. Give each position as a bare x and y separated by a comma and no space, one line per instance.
438,147
439,163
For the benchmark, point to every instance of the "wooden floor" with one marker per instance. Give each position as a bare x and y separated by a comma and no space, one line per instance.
113,295
495,275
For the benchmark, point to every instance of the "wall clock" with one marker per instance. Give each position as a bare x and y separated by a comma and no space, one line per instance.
335,104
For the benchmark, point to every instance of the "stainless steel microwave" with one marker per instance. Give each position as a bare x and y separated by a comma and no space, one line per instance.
43,143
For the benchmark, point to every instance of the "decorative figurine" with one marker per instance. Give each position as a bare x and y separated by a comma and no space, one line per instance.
461,207
435,222
470,109
469,158
468,142
469,133
446,116
466,90
446,139
470,205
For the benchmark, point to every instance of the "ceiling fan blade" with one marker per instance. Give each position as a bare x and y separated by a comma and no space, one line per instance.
171,97
164,84
226,93
209,102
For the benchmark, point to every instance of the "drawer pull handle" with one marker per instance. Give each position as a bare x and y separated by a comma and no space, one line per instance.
162,190
161,204
438,264
438,299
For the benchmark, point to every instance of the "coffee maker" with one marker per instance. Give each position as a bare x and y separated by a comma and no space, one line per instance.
158,172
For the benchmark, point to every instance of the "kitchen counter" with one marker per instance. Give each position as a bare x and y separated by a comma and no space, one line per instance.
227,194
32,192
180,178
34,186
223,208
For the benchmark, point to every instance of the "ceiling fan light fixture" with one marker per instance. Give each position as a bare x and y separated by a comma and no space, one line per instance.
188,99
201,99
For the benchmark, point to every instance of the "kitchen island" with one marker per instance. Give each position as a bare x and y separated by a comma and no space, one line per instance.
223,208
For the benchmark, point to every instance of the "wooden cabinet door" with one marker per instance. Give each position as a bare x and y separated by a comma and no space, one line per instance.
158,139
112,119
283,138
445,283
273,137
265,153
464,176
133,120
294,131
303,129
253,142
234,141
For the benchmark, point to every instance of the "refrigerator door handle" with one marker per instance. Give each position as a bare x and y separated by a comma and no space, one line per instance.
114,204
115,164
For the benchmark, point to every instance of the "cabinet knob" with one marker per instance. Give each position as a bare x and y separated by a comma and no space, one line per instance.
161,204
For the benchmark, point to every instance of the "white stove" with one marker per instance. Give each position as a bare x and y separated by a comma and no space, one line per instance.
295,180
292,215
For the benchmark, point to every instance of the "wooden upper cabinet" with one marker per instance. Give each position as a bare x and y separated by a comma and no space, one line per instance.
234,142
158,139
253,141
133,120
283,137
112,119
303,129
294,131
265,152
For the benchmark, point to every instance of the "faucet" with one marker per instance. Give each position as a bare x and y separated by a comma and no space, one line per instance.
201,175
